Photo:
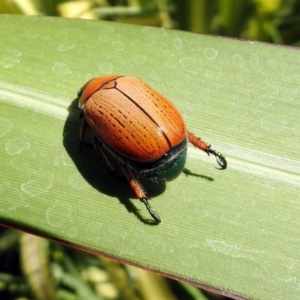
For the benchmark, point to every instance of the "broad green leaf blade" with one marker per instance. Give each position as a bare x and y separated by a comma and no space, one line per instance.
236,231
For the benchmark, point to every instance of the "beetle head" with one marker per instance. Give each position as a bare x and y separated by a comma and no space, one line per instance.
92,86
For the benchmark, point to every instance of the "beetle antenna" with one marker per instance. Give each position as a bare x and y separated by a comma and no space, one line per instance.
221,160
153,214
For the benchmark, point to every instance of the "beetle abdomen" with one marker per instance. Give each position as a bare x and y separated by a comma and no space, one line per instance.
134,120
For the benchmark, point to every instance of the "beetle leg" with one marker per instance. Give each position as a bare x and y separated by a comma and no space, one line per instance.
82,130
98,148
139,192
200,144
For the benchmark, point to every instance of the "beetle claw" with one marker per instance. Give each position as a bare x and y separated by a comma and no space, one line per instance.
221,160
153,214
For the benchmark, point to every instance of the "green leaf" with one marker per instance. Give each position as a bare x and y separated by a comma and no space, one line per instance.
235,231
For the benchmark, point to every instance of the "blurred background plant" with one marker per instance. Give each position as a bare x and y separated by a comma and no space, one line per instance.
276,21
34,268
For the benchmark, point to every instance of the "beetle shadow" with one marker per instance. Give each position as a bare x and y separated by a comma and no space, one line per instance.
188,172
90,167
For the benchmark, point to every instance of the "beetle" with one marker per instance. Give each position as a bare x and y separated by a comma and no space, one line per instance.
140,128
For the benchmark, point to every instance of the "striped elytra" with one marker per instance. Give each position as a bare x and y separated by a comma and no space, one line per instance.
131,118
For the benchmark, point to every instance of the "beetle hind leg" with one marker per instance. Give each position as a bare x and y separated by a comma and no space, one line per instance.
202,145
153,214
221,160
139,192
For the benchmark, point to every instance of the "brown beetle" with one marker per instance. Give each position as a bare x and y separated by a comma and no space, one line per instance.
140,127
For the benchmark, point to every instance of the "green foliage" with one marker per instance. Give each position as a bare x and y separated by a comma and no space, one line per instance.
233,231
264,20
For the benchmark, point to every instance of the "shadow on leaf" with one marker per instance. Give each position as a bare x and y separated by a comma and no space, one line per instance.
91,168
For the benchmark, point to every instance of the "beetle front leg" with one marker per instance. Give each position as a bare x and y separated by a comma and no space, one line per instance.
82,130
200,144
139,192
98,148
